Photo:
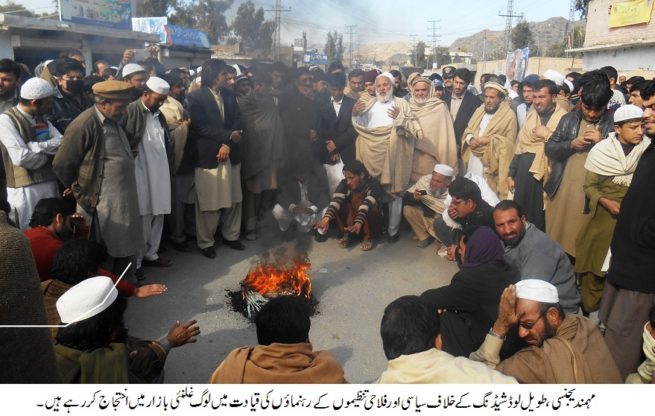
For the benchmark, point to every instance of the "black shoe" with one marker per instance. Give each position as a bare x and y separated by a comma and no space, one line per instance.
393,238
140,277
320,238
182,247
235,245
209,252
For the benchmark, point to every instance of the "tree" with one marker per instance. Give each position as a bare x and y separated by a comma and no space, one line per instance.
443,56
582,7
155,8
334,47
417,55
250,28
574,40
16,9
205,15
522,36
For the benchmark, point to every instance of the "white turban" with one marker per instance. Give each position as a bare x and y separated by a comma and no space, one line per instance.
554,76
445,170
158,85
537,290
36,89
86,299
388,75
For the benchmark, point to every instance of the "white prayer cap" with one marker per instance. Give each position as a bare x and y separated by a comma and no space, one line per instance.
445,170
199,70
130,69
537,290
628,112
554,76
569,84
36,89
235,66
158,85
388,75
86,299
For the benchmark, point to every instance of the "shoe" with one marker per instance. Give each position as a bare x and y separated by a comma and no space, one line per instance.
158,262
235,245
209,252
140,276
320,238
251,235
393,238
424,243
182,247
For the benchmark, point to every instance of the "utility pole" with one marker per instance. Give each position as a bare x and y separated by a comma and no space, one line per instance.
509,15
278,10
414,49
569,26
435,39
351,32
484,46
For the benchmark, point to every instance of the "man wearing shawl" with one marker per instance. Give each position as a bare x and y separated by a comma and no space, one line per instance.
385,144
438,143
609,166
488,141
284,354
564,349
530,164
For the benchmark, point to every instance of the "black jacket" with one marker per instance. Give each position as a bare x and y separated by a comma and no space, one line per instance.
339,128
633,244
470,103
558,148
299,115
66,109
208,131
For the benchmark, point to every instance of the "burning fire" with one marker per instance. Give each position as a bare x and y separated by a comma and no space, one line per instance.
271,280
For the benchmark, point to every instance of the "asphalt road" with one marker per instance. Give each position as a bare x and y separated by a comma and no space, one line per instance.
352,287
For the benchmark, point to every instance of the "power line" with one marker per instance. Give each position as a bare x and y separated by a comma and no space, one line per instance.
351,32
435,38
278,10
509,15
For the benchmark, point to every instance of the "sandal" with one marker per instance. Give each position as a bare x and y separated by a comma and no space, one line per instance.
344,241
367,245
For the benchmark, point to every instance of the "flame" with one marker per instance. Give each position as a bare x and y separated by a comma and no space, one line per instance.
272,280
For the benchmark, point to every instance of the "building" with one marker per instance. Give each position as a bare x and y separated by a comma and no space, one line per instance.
624,39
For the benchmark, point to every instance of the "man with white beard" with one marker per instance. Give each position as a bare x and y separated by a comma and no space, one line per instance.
385,144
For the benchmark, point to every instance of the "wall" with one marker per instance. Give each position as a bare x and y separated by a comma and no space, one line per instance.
599,33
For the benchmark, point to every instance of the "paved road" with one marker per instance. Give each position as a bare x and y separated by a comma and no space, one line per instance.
352,286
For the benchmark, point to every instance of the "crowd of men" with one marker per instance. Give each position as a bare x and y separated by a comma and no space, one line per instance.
539,190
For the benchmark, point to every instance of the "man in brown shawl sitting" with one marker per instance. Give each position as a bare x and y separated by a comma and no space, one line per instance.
488,141
563,348
284,354
438,145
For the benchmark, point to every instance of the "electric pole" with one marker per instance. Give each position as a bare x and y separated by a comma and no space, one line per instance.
414,49
435,39
351,32
278,10
509,15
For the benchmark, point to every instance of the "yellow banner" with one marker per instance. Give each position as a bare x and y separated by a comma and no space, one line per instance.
633,12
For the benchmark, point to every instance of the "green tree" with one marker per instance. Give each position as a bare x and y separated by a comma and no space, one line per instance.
334,46
205,15
155,8
417,55
443,56
250,27
522,36
16,9
582,7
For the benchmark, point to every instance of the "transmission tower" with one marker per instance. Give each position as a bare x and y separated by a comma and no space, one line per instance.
509,15
351,32
435,38
278,10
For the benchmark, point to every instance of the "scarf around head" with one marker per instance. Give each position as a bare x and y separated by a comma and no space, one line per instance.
606,158
483,247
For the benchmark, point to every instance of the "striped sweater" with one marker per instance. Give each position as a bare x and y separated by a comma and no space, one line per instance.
372,191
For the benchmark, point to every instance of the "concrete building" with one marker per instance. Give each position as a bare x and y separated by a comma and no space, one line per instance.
629,49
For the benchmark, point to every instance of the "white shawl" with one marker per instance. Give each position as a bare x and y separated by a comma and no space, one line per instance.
607,159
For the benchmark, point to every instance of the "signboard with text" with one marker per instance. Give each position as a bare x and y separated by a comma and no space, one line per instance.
154,25
314,58
628,13
116,14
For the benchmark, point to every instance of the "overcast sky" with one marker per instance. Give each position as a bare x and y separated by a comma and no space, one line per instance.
391,20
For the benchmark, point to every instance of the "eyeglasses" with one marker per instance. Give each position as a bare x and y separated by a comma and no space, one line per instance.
529,326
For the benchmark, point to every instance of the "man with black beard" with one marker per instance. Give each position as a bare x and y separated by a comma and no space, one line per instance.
71,101
534,254
9,76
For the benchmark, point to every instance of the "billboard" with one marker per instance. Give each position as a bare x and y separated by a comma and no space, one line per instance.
634,12
115,14
516,64
154,25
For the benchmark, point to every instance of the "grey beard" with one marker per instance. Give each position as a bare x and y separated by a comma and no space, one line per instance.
384,98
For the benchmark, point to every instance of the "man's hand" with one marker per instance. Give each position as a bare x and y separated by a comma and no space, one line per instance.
149,290
612,206
452,212
510,183
335,157
356,228
323,225
478,142
181,334
450,252
591,135
67,192
235,136
507,317
417,195
579,143
541,132
223,153
128,56
358,108
330,146
393,112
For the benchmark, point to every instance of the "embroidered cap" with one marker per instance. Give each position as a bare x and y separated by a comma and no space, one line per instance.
445,170
36,89
537,290
628,112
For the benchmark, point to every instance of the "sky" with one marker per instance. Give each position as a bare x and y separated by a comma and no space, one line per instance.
390,20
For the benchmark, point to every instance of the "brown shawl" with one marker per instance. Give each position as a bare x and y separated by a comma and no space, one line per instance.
497,155
577,354
438,139
528,142
278,364
388,151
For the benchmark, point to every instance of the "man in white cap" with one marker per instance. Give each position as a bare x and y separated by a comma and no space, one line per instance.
488,141
147,132
93,346
563,348
385,144
28,142
425,201
136,76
